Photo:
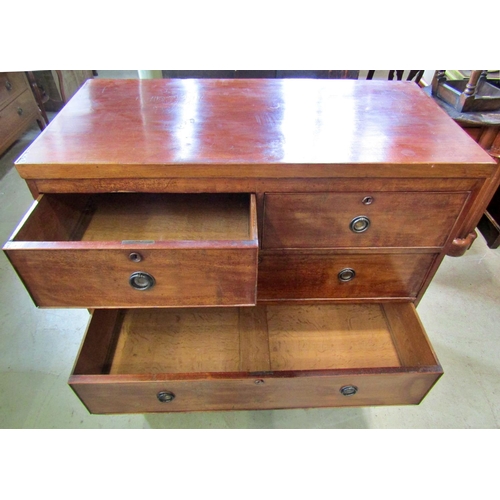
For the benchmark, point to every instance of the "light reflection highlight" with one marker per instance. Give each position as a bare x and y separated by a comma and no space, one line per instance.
311,125
186,121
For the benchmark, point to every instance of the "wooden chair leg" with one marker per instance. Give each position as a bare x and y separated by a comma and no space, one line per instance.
38,98
61,85
41,123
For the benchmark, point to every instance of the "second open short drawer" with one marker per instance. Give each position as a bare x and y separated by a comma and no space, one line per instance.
138,250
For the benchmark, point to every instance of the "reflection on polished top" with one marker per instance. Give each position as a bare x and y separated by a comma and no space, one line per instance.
196,123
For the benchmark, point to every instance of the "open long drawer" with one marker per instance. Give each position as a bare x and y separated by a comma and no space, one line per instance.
264,357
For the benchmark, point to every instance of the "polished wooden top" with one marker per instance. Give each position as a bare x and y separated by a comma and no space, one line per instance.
255,127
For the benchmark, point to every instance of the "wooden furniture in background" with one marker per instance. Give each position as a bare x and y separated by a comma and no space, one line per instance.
60,85
331,204
489,225
18,108
414,75
40,97
484,128
267,73
399,74
474,94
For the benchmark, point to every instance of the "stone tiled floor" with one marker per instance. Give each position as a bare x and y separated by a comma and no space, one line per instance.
461,313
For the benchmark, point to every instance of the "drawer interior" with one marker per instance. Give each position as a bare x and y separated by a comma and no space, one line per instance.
279,338
139,217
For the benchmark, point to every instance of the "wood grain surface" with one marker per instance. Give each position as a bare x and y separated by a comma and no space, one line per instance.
288,276
134,216
256,185
303,154
76,250
322,220
313,351
12,84
16,117
99,278
178,341
215,340
247,128
129,395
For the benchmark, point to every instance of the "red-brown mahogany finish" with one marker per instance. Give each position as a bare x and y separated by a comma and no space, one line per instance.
151,128
357,190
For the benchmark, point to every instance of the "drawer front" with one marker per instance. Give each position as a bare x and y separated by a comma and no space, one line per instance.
102,278
123,250
263,357
15,117
255,393
11,85
380,219
317,276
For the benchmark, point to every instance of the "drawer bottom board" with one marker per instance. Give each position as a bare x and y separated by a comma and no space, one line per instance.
263,357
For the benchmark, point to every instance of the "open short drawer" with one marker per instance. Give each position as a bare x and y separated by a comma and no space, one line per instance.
264,357
138,250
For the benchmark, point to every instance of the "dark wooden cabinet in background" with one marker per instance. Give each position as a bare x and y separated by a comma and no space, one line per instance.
484,128
18,108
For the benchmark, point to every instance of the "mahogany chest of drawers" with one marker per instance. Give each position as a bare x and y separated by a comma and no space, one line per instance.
248,244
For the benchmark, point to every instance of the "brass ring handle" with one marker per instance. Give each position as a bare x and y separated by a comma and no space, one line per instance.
141,280
165,396
348,390
359,224
346,275
8,85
